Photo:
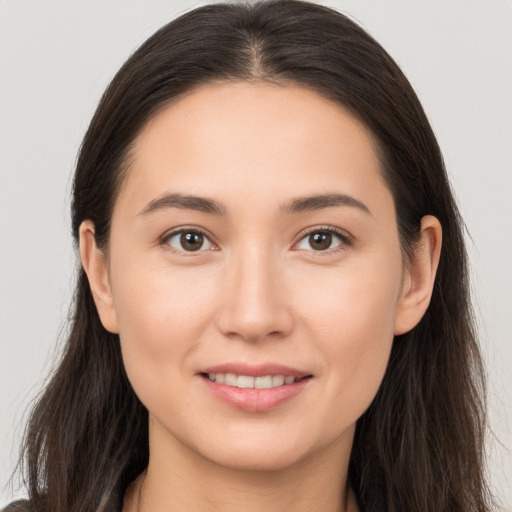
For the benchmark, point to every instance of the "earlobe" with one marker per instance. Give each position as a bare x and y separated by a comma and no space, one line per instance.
418,282
95,266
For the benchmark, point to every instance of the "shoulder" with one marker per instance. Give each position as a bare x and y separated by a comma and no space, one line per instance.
17,506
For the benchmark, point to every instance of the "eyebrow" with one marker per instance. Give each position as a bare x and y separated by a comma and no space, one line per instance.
186,202
296,205
317,202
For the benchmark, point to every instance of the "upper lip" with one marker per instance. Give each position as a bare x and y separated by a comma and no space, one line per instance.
256,370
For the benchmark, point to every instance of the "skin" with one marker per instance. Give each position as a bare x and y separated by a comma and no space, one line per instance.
257,291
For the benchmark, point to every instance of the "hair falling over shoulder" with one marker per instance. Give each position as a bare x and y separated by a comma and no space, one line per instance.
419,447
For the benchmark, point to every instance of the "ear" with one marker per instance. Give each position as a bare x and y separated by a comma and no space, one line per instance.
419,276
95,266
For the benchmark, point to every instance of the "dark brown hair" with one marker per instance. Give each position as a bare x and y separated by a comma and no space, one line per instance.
419,446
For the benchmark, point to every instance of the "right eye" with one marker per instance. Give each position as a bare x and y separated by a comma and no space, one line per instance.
188,240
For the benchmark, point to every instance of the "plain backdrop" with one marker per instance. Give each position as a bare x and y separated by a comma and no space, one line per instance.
56,58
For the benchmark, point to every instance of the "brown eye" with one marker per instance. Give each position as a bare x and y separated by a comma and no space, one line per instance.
191,241
323,240
320,241
188,241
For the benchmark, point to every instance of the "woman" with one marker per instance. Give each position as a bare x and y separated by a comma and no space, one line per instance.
272,309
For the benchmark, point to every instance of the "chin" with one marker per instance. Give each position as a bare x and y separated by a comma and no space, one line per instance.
258,458
260,453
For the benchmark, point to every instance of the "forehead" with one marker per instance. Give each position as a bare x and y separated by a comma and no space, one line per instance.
252,138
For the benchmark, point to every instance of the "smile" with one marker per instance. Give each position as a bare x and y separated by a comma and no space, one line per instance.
254,388
249,382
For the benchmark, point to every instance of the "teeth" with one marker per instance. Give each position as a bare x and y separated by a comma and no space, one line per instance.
244,382
248,382
263,382
278,380
230,379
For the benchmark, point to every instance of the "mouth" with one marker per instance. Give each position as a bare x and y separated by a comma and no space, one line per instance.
254,388
250,382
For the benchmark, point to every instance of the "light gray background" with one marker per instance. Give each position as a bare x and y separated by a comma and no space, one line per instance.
56,58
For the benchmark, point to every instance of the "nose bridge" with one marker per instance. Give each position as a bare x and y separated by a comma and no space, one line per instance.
254,304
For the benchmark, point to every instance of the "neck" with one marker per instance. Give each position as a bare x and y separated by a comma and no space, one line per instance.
179,479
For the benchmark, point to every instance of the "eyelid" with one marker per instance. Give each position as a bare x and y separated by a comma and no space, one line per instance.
187,229
346,238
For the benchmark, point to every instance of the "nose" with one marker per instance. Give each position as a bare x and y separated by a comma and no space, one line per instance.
254,303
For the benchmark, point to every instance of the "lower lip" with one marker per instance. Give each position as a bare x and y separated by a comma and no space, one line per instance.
255,400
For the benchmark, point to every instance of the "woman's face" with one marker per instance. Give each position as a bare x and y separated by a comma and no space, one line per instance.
254,240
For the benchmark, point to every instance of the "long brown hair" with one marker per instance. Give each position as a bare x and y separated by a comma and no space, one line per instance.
419,446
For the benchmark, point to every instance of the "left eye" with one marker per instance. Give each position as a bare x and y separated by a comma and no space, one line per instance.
189,241
321,240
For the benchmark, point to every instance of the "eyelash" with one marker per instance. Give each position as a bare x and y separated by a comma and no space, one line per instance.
346,239
168,236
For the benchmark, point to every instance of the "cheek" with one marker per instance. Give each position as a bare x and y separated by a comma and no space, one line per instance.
161,313
356,302
351,317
